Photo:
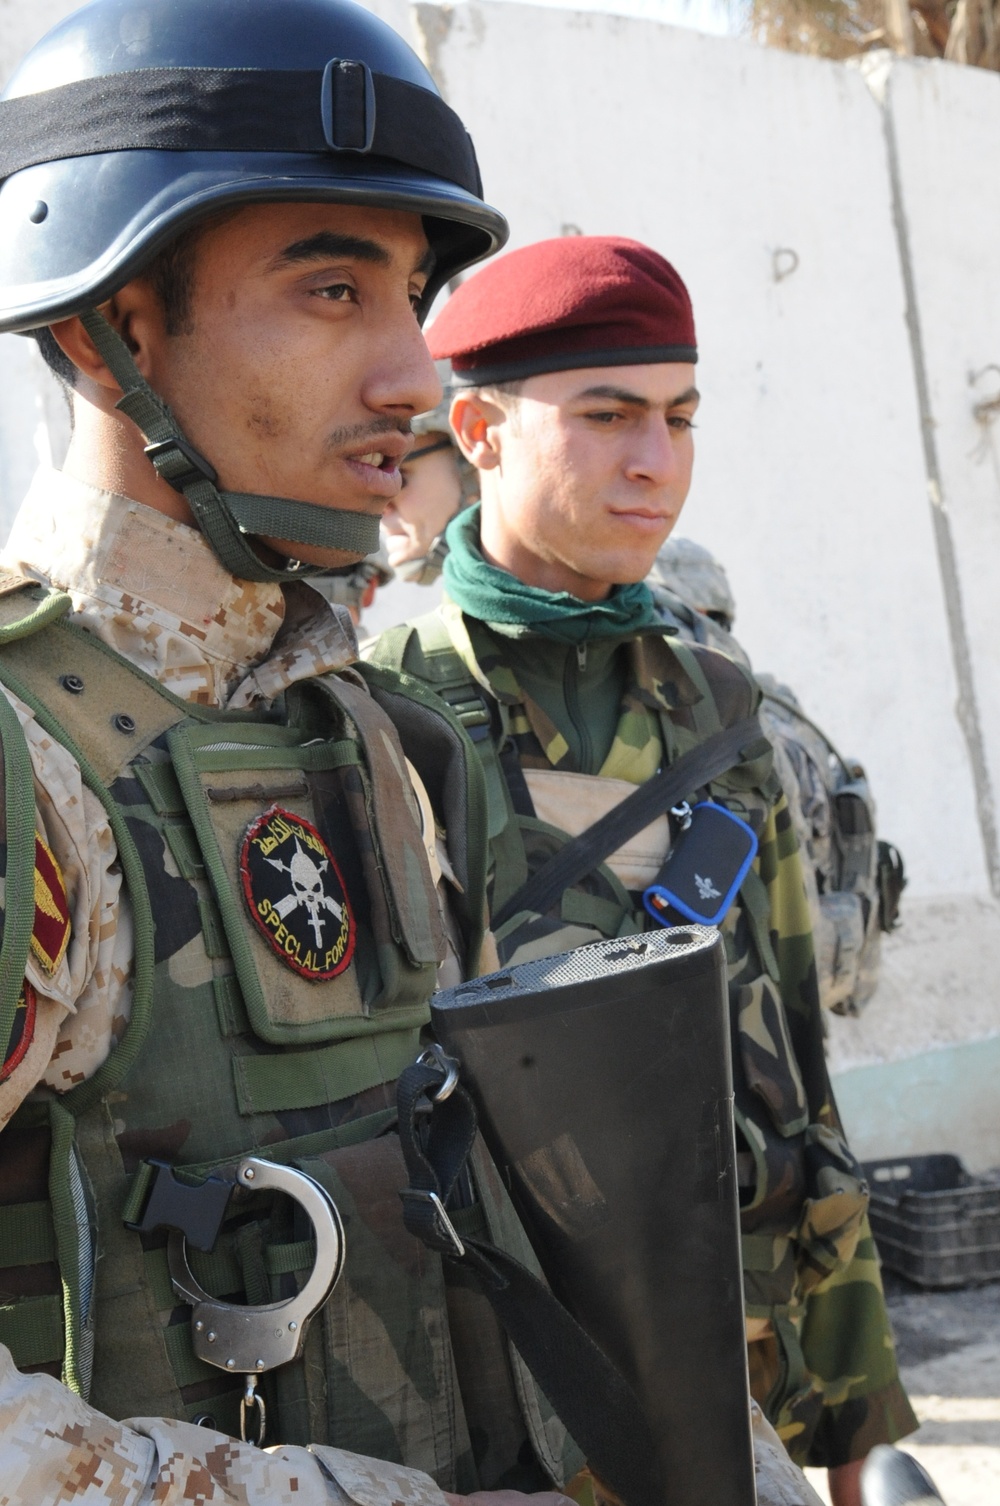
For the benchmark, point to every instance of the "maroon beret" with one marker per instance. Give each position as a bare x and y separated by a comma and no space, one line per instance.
582,300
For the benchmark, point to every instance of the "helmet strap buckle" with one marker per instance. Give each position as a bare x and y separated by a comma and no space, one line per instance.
179,463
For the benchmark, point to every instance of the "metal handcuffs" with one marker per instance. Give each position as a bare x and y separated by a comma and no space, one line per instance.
250,1340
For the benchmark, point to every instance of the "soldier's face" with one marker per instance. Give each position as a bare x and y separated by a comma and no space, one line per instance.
587,475
303,362
431,495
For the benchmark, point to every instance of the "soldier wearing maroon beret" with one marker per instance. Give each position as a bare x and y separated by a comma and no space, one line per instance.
574,364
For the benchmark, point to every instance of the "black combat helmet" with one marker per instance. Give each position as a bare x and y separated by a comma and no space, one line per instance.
133,119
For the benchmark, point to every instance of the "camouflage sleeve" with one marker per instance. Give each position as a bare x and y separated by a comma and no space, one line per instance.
53,1447
848,1347
845,1337
78,978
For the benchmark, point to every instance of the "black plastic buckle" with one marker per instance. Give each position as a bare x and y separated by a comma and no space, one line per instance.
196,1211
347,106
166,452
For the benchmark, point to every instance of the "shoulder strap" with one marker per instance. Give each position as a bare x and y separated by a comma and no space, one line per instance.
573,862
444,671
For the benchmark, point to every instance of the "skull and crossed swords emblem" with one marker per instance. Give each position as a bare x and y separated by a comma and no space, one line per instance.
307,890
296,895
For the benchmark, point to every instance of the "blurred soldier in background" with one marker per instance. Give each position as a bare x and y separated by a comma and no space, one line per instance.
355,588
438,482
853,882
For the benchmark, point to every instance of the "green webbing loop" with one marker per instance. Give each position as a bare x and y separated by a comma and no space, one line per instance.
19,900
54,604
291,1080
26,1235
71,1225
32,1329
753,892
222,516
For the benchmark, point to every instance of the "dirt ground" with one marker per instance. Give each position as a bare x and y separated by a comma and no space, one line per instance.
949,1352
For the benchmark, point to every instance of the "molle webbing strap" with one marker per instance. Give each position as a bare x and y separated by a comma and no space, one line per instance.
699,766
225,518
344,108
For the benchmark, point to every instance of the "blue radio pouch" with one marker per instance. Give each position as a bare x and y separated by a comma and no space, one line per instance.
704,869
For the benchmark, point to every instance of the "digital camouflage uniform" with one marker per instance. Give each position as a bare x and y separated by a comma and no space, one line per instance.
157,1023
821,1352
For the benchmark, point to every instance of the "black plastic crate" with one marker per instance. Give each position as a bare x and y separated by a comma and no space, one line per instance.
934,1222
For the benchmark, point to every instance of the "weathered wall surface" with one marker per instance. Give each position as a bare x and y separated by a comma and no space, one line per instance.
840,248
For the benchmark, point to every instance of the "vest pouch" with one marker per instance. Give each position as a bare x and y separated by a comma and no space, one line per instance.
405,918
855,836
289,902
376,1374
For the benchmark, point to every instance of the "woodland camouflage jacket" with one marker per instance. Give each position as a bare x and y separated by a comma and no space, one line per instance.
822,1359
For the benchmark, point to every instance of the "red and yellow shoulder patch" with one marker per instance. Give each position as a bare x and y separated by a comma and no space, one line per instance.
50,934
22,1032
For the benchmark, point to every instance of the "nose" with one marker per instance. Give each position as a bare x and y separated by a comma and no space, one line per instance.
653,457
403,380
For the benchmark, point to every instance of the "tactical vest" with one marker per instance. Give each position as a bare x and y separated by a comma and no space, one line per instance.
803,1198
287,937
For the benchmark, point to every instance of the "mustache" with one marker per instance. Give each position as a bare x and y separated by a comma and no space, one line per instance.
352,434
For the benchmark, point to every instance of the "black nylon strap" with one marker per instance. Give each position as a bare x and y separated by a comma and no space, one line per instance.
587,851
593,1400
346,108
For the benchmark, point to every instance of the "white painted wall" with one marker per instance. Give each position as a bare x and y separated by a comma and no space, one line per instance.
779,186
946,127
809,482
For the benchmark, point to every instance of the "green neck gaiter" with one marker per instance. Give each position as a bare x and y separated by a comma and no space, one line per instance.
495,596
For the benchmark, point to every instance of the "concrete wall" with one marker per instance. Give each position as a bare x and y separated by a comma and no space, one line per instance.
839,241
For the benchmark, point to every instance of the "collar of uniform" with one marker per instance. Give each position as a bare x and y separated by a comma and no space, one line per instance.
657,678
151,589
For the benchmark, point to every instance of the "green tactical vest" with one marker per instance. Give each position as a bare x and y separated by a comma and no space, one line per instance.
804,1199
287,937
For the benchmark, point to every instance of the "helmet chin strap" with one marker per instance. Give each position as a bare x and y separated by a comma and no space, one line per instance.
227,519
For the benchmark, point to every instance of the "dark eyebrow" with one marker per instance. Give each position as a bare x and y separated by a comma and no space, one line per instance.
326,244
615,395
623,395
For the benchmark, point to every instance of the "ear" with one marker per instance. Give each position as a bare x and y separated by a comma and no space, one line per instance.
477,422
74,342
135,313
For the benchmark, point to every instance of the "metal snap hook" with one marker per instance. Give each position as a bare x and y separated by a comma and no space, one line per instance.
252,1398
447,1065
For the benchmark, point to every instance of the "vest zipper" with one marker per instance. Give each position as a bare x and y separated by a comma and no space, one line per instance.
575,666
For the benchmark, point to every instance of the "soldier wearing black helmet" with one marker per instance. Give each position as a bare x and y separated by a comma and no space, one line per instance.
223,219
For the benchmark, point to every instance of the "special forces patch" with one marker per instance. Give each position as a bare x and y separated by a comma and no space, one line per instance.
22,1032
295,893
